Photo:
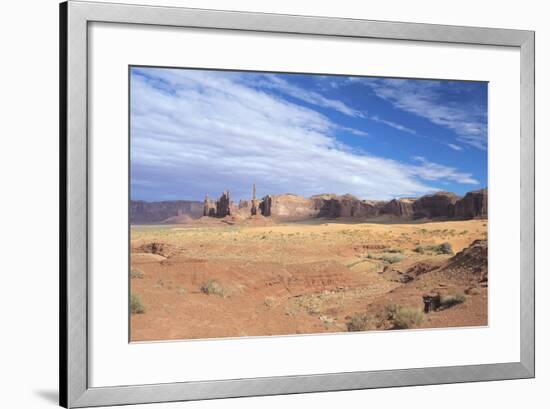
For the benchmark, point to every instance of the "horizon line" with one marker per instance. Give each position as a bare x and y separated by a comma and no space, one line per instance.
313,196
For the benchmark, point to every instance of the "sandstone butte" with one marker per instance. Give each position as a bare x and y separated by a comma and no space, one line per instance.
291,207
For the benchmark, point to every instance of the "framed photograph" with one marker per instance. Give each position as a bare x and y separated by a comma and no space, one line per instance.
259,204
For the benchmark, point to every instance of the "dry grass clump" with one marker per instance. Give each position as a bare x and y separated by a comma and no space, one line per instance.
404,317
394,250
136,273
443,248
389,258
473,291
136,306
213,287
359,322
452,300
270,302
311,303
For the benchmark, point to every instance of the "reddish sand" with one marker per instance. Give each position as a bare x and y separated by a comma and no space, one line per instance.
260,278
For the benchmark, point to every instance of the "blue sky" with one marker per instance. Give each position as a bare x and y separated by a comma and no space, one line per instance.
204,131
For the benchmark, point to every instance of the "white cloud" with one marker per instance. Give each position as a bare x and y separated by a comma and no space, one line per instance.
197,132
423,98
432,171
395,125
314,98
311,97
454,147
355,132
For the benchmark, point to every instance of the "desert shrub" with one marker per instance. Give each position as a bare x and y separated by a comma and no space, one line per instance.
391,258
451,300
443,248
136,273
473,291
311,303
270,302
136,307
180,290
394,250
212,287
404,317
358,322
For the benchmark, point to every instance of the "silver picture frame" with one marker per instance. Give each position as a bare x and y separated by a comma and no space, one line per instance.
75,16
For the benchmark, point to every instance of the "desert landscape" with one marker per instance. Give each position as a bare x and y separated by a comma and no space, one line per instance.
285,264
270,203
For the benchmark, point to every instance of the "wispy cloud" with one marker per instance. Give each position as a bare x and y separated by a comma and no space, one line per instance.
197,132
315,98
311,97
433,171
425,99
395,125
454,147
355,132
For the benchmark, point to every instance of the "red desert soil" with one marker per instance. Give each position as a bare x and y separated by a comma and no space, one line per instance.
230,278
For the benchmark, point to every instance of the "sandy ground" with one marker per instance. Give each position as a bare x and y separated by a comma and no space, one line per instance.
213,279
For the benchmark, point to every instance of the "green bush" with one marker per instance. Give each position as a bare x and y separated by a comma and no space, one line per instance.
136,307
404,317
213,287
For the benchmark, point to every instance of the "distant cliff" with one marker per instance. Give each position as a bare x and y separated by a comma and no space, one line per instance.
440,205
142,212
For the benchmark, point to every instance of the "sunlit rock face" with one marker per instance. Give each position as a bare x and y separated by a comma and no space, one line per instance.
472,205
288,206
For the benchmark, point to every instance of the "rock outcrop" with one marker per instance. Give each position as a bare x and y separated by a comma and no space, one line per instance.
440,204
470,263
343,206
472,205
290,207
223,205
399,208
